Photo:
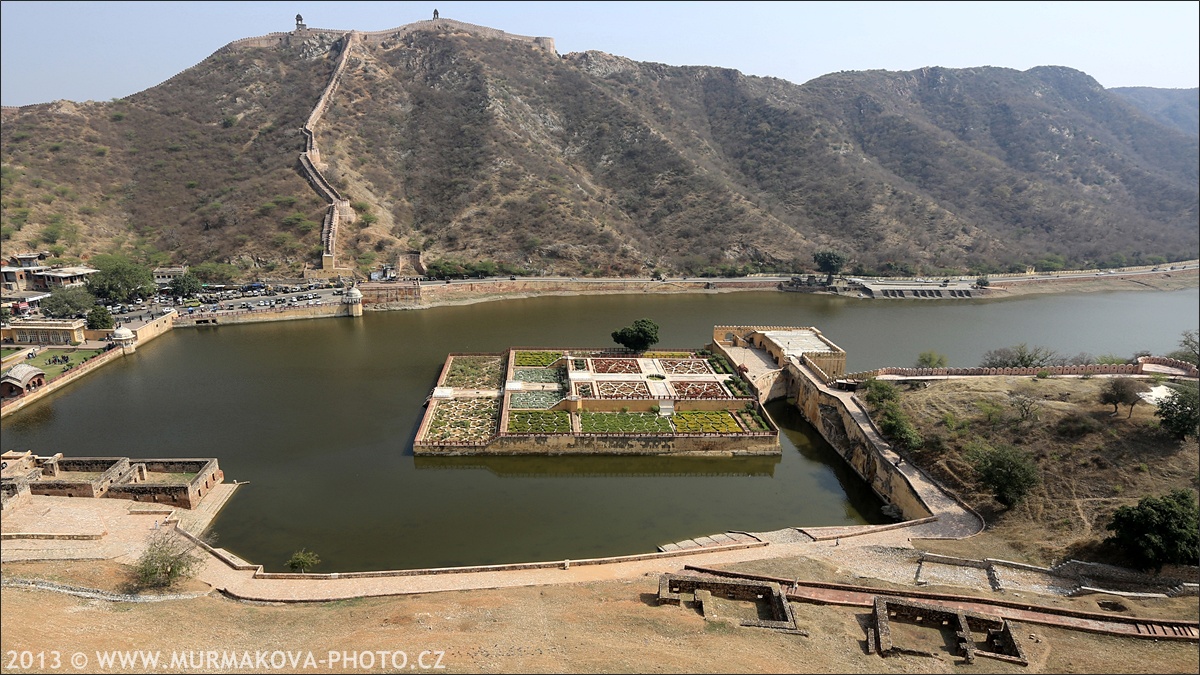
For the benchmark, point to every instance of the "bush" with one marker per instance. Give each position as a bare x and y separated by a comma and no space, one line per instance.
1005,470
303,560
878,392
898,428
1159,530
1075,425
1179,413
931,359
168,558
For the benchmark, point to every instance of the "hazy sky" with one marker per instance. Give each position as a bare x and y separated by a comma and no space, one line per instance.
103,50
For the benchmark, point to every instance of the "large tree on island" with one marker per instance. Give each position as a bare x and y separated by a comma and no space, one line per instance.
639,337
830,262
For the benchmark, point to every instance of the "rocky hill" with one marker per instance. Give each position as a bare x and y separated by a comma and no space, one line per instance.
470,146
1179,108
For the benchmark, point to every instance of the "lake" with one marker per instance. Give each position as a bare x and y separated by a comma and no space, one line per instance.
319,417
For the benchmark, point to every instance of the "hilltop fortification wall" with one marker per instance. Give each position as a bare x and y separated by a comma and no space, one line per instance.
381,37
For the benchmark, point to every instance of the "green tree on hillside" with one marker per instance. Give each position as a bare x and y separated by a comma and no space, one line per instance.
1007,471
68,303
120,279
1159,530
639,337
1122,391
1179,413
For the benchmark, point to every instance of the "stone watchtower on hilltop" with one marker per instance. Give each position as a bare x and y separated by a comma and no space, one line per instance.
300,23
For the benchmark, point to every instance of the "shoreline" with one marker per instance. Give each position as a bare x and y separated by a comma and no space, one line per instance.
1166,281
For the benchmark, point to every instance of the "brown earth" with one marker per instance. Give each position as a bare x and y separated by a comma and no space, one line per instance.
611,626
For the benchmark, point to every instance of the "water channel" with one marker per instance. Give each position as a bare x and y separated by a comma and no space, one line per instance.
319,417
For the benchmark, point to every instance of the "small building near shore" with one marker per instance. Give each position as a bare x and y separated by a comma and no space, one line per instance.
21,379
46,331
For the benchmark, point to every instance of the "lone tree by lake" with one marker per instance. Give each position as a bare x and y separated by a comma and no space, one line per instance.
303,560
829,262
639,337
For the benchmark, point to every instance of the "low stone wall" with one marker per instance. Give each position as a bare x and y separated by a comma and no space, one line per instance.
64,485
707,445
266,314
556,564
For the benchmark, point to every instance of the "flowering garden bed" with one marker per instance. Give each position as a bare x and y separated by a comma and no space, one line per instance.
623,423
475,372
540,359
699,390
539,422
616,366
547,375
706,422
539,400
464,420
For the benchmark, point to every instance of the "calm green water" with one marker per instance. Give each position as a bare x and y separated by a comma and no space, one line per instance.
320,415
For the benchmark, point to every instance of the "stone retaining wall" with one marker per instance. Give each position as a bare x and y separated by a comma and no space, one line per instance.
267,314
707,445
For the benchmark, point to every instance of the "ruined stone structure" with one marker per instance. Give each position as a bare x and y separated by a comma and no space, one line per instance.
676,589
974,634
176,482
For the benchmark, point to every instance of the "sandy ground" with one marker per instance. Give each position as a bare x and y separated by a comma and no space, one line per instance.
610,626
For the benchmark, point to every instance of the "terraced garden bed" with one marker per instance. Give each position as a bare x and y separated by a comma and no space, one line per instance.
699,390
706,422
539,422
546,375
623,389
623,423
540,359
616,366
752,420
538,400
685,366
472,420
475,372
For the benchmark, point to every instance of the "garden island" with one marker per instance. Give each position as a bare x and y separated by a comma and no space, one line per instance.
604,401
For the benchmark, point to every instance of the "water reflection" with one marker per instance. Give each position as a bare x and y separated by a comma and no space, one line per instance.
568,466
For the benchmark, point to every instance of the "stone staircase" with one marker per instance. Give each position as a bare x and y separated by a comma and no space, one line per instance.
710,541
